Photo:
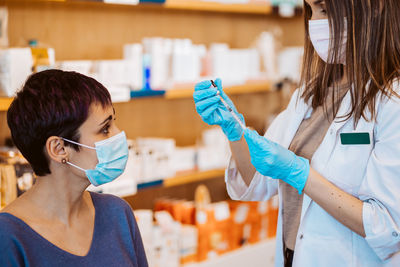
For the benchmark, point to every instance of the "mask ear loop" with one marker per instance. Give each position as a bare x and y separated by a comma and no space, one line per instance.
73,165
79,144
76,143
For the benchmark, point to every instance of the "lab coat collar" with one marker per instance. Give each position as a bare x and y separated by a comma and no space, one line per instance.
344,110
336,125
304,110
301,110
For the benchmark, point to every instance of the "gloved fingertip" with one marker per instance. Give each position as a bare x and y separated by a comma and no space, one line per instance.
203,85
251,132
247,134
300,189
254,137
218,82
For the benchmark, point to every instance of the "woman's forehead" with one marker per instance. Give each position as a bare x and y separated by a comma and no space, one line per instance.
315,2
97,112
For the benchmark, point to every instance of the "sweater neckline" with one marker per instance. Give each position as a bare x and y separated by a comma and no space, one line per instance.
52,245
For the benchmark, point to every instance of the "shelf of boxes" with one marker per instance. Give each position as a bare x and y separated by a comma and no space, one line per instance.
262,254
225,233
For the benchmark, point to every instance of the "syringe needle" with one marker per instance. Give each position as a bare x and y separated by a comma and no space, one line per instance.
229,108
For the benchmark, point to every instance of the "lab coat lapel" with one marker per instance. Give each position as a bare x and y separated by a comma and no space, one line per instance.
344,109
336,125
293,125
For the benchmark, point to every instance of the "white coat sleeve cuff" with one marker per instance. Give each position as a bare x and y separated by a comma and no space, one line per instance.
261,188
381,232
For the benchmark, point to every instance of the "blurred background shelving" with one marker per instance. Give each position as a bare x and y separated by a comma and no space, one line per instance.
252,7
261,254
97,30
93,31
4,103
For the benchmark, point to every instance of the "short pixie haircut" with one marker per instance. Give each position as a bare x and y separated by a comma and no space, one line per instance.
52,103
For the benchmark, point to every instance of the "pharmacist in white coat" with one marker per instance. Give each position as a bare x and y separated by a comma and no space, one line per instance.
333,155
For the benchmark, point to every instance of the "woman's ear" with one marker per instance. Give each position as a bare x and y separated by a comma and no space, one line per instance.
55,149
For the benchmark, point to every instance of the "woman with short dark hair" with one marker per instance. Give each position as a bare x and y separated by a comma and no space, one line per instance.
64,125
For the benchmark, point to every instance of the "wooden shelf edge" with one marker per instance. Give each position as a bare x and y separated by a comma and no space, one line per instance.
193,177
186,92
262,9
252,87
181,179
185,5
5,103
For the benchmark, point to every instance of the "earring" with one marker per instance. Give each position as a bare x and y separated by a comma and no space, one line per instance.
64,161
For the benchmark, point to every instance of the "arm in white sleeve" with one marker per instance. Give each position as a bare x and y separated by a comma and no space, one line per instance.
261,187
380,189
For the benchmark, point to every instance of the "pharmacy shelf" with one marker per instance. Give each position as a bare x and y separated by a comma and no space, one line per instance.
192,177
184,5
5,103
251,8
180,91
184,178
186,91
261,254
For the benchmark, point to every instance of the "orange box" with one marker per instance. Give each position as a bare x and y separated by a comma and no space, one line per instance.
239,230
177,211
236,236
273,210
163,204
189,213
213,222
220,237
254,226
189,259
205,224
272,223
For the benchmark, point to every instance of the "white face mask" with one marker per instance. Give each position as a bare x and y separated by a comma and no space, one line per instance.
320,37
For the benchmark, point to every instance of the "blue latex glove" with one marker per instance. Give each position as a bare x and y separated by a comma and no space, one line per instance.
213,112
271,159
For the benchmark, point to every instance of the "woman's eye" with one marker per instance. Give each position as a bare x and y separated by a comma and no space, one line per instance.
106,129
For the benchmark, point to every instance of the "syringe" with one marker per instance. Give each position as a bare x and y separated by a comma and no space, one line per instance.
229,108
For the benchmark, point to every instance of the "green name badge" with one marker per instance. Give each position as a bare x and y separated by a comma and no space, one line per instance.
355,139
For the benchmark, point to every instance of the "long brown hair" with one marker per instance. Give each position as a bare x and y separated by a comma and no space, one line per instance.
372,54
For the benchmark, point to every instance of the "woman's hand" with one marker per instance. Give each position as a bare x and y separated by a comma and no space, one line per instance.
271,159
213,112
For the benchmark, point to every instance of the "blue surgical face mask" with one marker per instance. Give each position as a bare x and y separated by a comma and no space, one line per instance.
112,154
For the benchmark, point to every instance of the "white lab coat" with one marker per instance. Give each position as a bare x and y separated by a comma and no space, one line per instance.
368,172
